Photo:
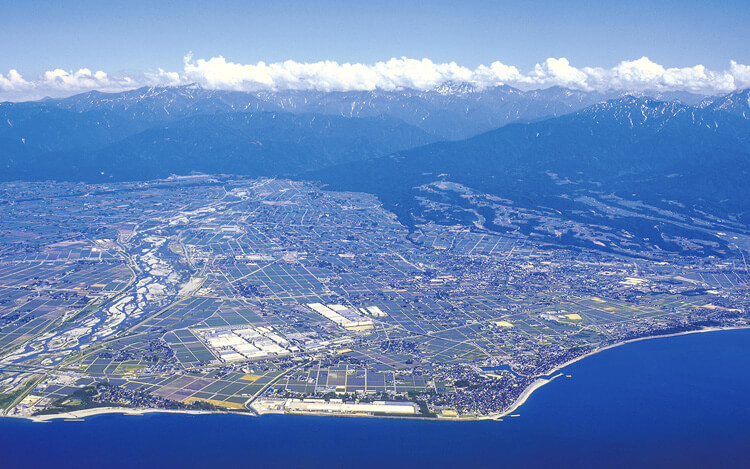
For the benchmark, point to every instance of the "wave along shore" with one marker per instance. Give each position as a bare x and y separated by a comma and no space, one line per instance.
522,398
538,383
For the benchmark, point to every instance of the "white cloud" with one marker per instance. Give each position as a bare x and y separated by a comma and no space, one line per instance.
497,74
14,81
219,73
643,74
558,72
83,79
741,74
60,82
162,78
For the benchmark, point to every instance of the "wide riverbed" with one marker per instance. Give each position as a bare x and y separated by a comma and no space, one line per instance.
676,402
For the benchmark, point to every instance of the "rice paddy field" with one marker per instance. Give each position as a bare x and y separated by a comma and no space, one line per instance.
199,293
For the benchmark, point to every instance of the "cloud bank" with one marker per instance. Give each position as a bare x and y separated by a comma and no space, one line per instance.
397,73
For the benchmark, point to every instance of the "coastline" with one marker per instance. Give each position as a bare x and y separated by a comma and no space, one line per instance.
82,414
539,382
630,341
522,398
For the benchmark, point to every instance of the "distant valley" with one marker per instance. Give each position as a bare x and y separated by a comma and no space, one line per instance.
603,171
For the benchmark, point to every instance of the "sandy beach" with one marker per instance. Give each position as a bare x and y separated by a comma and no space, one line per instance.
82,414
522,398
538,383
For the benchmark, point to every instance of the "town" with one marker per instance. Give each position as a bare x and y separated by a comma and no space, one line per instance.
277,296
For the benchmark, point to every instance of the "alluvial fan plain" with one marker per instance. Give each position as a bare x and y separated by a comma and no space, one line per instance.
266,295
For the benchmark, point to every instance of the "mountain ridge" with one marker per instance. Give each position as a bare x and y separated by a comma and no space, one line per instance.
451,111
685,160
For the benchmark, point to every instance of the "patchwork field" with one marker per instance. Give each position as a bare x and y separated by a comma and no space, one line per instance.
197,294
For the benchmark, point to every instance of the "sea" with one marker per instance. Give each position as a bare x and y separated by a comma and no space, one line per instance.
670,402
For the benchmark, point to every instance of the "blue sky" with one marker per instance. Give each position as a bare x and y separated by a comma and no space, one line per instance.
138,35
54,48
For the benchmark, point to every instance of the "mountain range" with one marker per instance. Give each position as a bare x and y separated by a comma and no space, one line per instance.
647,169
93,133
593,157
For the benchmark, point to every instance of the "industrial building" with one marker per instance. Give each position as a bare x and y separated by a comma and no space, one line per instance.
348,318
244,343
339,406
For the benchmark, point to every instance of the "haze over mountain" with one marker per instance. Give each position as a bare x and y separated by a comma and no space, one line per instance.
95,135
553,151
737,102
452,110
638,166
258,143
181,129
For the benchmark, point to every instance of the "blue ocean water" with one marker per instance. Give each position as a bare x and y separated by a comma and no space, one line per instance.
672,402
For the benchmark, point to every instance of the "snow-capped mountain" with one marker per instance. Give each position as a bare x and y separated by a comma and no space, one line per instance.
158,104
737,103
182,129
679,159
453,110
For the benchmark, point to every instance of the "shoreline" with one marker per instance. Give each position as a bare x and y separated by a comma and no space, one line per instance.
639,339
83,413
539,382
520,400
